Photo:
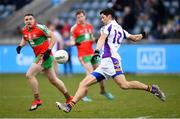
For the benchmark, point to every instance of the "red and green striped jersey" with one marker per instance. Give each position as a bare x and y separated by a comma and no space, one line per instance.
37,37
84,36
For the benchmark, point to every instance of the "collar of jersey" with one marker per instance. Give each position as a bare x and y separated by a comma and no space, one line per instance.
112,21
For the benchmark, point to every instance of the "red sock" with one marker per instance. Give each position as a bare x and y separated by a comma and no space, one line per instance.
71,104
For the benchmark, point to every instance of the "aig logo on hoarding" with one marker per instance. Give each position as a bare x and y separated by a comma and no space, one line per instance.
151,58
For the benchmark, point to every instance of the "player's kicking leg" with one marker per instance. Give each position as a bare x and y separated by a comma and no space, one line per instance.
50,73
124,84
30,75
81,92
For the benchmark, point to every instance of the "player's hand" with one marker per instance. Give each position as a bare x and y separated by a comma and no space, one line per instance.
46,54
18,49
96,56
77,44
144,35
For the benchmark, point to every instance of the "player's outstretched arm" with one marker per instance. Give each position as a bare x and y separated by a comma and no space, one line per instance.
137,37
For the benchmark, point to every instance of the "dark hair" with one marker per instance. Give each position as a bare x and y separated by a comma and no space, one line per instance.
107,12
80,11
29,14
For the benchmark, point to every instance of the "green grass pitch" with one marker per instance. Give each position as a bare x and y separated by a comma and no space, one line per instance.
16,97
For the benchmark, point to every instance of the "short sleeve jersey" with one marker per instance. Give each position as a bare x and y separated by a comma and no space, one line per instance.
37,37
114,39
83,35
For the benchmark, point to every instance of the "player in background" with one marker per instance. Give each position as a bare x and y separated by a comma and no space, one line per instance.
37,36
57,45
110,40
82,37
68,67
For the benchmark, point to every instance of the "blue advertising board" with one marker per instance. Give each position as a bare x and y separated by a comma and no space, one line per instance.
141,58
152,58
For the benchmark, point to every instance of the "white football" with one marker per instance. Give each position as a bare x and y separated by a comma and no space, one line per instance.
61,56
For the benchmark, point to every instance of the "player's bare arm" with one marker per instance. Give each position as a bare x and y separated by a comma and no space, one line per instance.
93,38
52,39
137,37
99,45
72,41
51,44
23,42
101,41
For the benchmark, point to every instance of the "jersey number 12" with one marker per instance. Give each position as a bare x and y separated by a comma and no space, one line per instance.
117,36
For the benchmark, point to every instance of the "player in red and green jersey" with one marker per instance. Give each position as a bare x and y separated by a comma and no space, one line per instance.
82,37
37,36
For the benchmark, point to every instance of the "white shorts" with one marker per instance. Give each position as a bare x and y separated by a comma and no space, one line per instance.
109,67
